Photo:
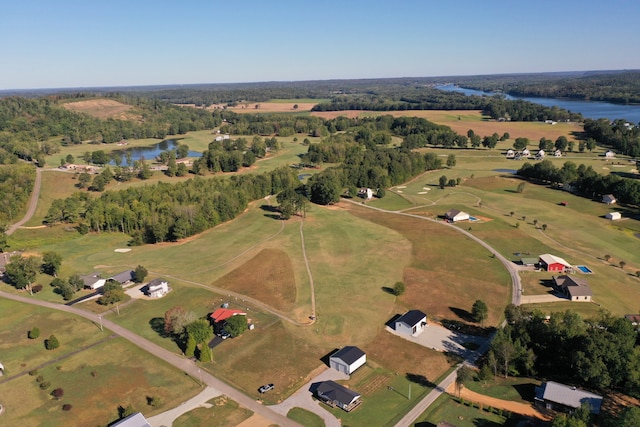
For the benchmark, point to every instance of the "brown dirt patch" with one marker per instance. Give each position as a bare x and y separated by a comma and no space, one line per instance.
406,357
492,183
103,109
515,407
273,107
267,277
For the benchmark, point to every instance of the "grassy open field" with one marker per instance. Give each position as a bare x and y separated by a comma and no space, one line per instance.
304,417
222,413
447,409
97,371
102,108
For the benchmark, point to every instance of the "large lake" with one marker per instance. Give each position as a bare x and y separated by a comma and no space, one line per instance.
151,152
588,109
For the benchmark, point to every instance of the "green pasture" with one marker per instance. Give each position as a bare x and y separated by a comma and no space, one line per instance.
222,413
115,371
448,409
306,418
515,389
585,309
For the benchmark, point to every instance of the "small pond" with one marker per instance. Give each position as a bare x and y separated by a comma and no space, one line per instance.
150,152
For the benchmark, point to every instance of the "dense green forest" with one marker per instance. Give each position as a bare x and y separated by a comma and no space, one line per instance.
619,87
618,134
583,180
16,183
27,124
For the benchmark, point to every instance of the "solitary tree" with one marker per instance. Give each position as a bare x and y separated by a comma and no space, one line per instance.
463,375
479,312
607,258
399,288
442,181
139,274
51,343
236,325
51,262
21,271
544,227
520,188
34,333
451,160
511,213
535,223
622,264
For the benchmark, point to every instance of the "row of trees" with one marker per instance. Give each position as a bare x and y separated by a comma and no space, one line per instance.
583,180
169,212
618,134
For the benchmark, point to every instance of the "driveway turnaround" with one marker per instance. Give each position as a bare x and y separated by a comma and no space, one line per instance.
303,398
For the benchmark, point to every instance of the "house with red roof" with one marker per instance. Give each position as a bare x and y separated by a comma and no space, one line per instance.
222,314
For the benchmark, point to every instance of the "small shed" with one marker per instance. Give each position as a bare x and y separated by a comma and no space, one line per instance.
613,216
609,154
347,359
412,322
609,199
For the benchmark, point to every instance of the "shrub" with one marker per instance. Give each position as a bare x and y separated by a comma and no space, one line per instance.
51,343
153,401
36,288
34,333
399,288
39,379
45,385
33,372
57,393
66,407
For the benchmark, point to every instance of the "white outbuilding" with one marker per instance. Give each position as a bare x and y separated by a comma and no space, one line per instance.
613,216
347,359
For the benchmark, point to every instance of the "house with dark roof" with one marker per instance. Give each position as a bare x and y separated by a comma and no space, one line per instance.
609,199
157,288
334,394
412,322
575,288
93,281
347,359
124,278
560,397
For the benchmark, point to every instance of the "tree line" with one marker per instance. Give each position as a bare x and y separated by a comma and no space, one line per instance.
618,134
583,180
168,212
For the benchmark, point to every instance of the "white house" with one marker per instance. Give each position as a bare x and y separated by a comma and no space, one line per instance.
526,152
412,322
454,215
609,154
133,420
157,288
557,153
540,154
613,216
347,359
609,199
510,154
93,281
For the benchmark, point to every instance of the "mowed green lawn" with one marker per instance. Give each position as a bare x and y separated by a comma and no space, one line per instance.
448,409
97,371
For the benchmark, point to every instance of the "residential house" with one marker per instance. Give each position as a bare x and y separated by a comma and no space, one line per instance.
526,152
553,263
613,216
576,288
557,153
454,215
412,322
560,397
510,154
633,318
134,420
609,199
157,288
609,154
365,193
347,359
93,281
334,394
125,278
222,314
540,155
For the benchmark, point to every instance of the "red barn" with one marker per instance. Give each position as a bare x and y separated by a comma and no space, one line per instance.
553,263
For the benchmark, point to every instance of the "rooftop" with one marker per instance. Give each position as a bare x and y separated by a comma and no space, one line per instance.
348,354
568,396
411,317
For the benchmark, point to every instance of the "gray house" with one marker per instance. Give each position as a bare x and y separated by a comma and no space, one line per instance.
334,394
347,359
560,397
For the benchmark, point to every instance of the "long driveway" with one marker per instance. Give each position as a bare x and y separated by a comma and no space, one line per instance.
179,362
33,203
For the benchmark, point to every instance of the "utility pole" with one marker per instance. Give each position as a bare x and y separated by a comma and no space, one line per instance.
100,318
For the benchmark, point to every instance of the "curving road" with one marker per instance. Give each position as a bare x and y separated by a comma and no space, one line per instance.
33,203
185,365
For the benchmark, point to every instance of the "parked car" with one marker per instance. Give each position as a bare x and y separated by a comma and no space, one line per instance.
224,334
265,388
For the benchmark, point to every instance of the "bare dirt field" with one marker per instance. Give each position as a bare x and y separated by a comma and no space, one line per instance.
103,109
267,277
463,120
272,107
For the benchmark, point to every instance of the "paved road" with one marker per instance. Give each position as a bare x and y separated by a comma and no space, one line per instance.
33,203
167,418
422,406
179,362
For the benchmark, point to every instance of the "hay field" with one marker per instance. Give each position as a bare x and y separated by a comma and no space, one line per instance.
102,108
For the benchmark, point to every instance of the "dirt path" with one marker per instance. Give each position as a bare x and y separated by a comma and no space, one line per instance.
306,263
515,407
33,203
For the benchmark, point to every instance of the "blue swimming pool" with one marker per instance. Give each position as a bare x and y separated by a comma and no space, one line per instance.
473,218
584,269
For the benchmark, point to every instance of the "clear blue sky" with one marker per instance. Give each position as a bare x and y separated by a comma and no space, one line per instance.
85,43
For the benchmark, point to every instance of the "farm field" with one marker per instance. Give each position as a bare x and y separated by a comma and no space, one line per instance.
117,373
